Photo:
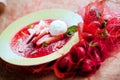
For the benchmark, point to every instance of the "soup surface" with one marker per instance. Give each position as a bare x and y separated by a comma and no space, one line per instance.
23,44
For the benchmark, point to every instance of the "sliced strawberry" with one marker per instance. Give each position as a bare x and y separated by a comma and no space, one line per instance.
42,40
30,38
42,26
49,40
35,39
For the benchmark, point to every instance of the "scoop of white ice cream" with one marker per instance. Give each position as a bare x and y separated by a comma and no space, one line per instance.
57,27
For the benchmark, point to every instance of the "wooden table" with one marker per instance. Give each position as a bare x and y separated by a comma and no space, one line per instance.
110,69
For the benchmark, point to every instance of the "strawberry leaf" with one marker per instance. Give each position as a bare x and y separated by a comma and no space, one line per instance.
93,44
104,24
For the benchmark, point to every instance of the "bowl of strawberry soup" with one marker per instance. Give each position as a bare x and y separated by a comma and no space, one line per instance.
39,37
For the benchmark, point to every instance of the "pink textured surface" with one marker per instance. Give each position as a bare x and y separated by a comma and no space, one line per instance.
110,70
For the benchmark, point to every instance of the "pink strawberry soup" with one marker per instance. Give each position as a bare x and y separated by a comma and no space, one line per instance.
22,44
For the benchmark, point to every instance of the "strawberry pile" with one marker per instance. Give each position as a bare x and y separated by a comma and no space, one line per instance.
86,56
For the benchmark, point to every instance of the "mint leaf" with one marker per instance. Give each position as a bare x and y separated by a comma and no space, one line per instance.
71,30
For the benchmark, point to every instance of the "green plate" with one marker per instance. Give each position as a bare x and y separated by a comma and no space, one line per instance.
6,53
